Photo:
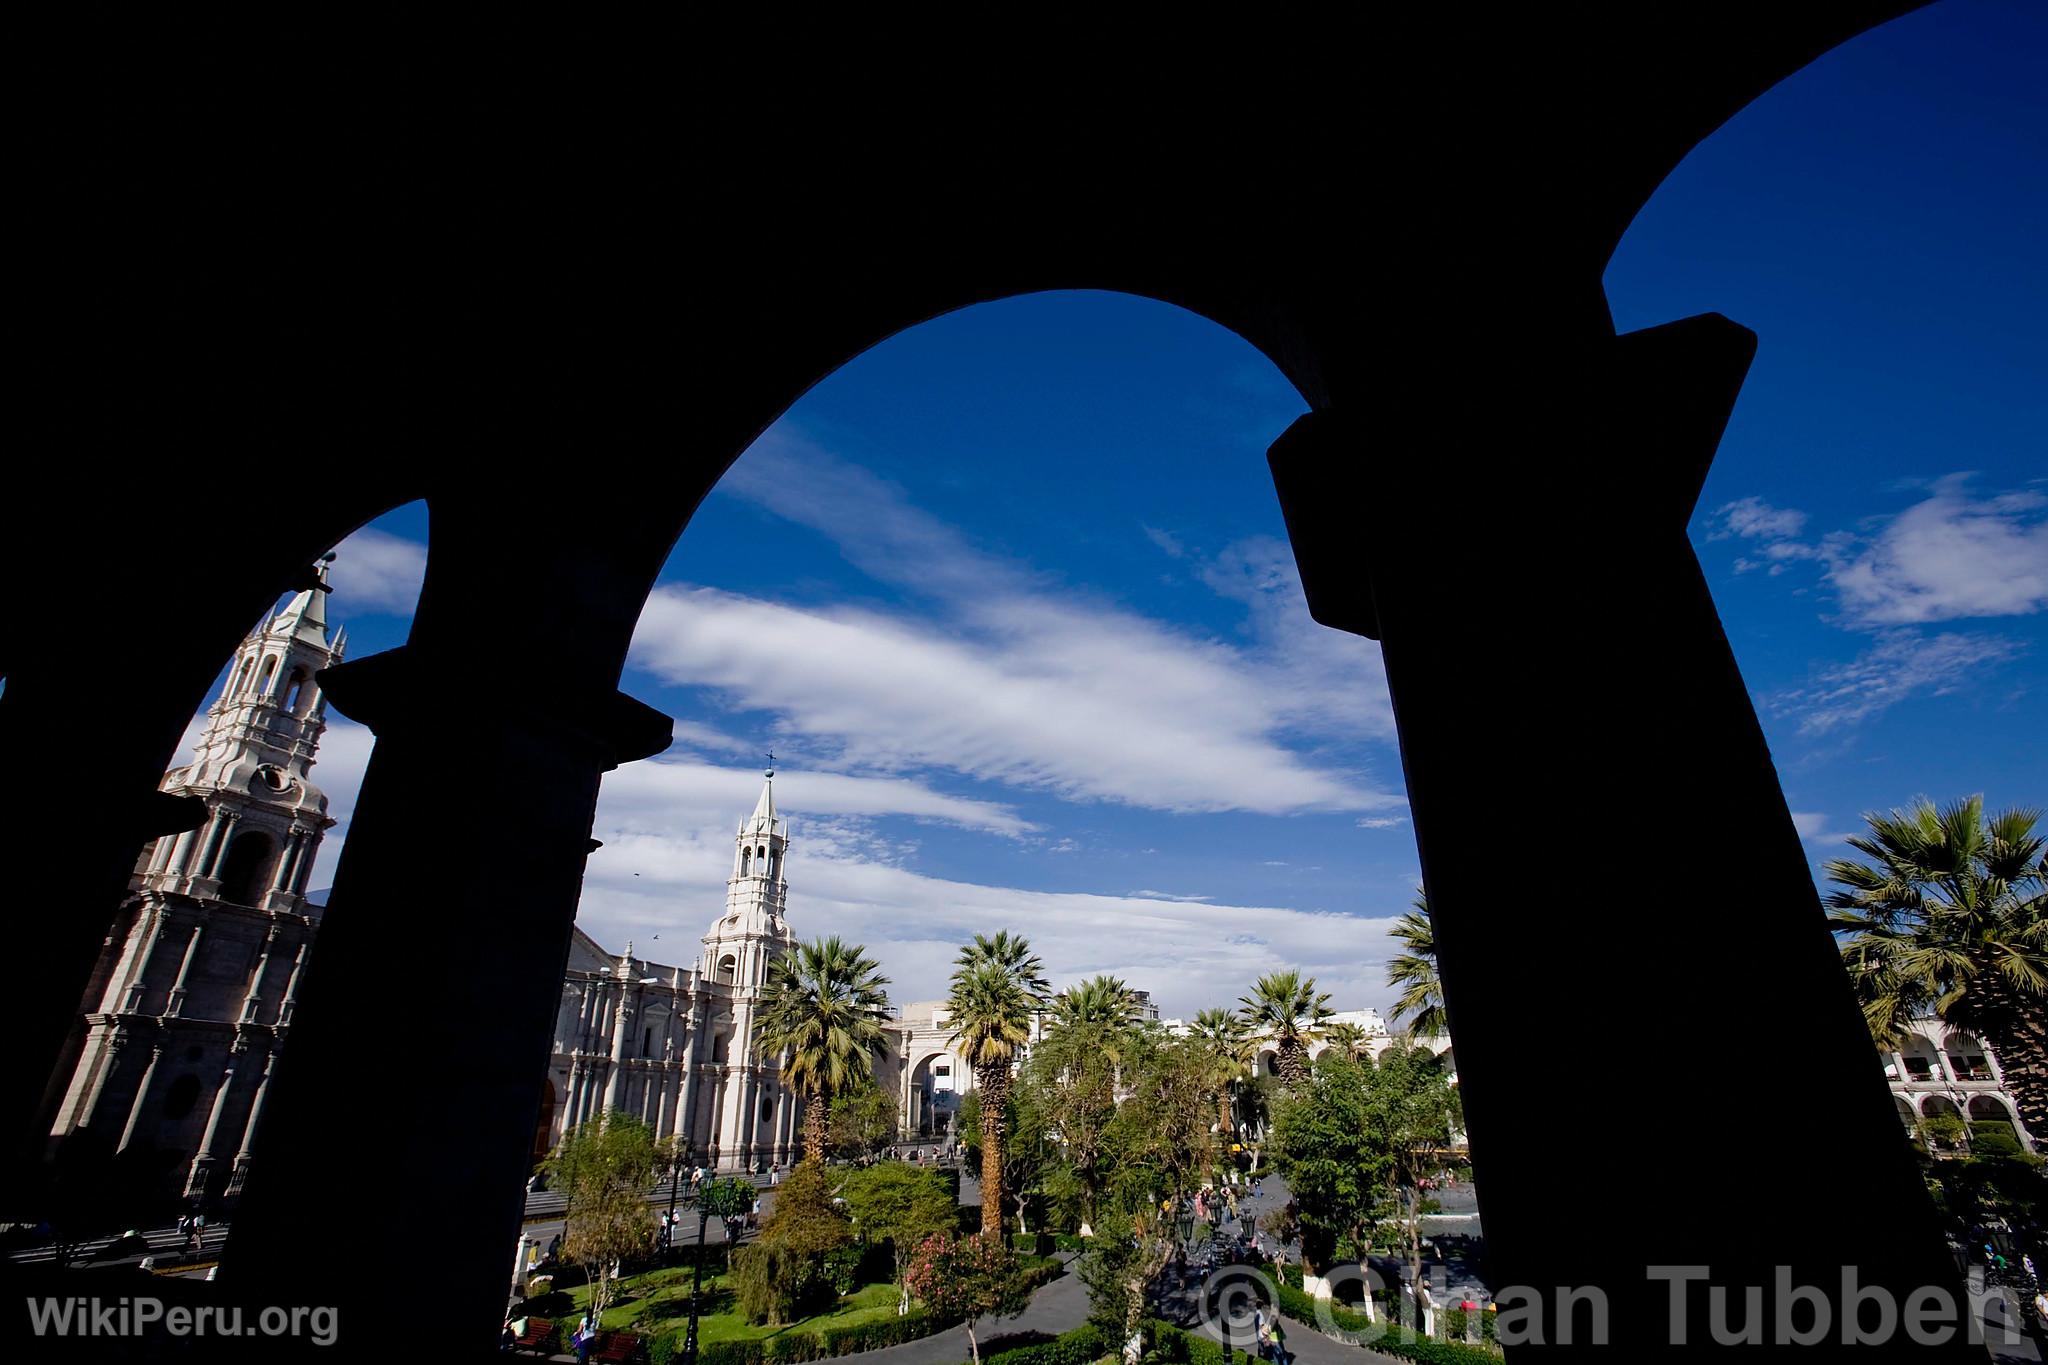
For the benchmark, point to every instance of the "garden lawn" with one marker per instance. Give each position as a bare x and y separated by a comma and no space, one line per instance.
658,1301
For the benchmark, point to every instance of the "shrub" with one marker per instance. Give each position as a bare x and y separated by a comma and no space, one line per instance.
1389,1340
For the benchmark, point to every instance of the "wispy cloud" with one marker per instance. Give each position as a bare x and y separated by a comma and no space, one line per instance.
1948,557
1813,828
1189,953
1902,664
376,572
1010,677
658,792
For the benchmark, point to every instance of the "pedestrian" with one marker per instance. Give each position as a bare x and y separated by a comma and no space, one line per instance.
775,1175
1279,1344
583,1340
507,1338
1261,1340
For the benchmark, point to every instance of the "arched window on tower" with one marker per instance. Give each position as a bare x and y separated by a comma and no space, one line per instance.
263,678
243,871
241,679
728,968
746,861
294,689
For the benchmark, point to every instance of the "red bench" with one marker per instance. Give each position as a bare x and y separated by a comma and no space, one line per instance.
618,1348
539,1337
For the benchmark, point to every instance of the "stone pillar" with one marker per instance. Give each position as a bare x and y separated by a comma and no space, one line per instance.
175,1002
291,986
247,1148
572,1092
1474,537
622,1025
142,1089
537,731
110,1057
252,998
137,992
202,1161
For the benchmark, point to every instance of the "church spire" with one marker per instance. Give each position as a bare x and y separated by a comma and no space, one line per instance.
764,809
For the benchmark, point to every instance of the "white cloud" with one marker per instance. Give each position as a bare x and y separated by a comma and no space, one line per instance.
1902,664
375,571
1166,541
660,791
1754,519
1948,557
1150,895
1023,681
1813,828
1190,954
1382,821
344,755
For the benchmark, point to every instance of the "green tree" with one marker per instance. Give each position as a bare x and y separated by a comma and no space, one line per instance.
781,1276
1948,915
822,1010
1074,1072
604,1168
997,984
902,1205
1347,1040
1227,1044
1329,1143
863,1121
1421,1001
967,1278
1291,1011
1414,1111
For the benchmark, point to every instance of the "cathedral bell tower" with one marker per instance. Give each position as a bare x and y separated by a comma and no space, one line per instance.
251,767
752,931
192,998
749,936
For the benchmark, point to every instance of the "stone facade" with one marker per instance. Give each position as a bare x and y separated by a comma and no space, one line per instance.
191,1000
669,1044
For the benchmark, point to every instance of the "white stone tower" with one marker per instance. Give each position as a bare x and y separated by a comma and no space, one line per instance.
737,951
193,995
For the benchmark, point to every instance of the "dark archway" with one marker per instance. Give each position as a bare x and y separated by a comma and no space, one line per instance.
245,872
1485,452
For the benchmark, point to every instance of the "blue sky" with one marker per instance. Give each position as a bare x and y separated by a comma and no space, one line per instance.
1010,596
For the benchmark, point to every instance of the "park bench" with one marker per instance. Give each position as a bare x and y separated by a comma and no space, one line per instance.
618,1348
538,1336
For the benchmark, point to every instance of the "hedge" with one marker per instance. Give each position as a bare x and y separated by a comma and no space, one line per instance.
796,1347
1389,1338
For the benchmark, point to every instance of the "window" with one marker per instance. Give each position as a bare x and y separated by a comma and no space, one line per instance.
244,870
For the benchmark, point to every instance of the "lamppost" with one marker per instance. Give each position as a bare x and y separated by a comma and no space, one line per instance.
675,1178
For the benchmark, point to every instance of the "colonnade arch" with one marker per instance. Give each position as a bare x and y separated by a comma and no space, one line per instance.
1508,337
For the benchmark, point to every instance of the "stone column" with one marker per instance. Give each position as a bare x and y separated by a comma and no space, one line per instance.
225,836
137,992
175,1002
202,1161
247,1147
110,1057
622,1024
291,986
142,1089
539,725
1522,506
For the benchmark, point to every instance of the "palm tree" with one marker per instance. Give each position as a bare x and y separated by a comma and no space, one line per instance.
1422,991
1347,1038
822,1010
1951,914
1291,1010
1227,1043
998,983
1100,1013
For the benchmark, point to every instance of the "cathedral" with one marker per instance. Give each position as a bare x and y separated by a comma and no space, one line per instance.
191,1001
671,1044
